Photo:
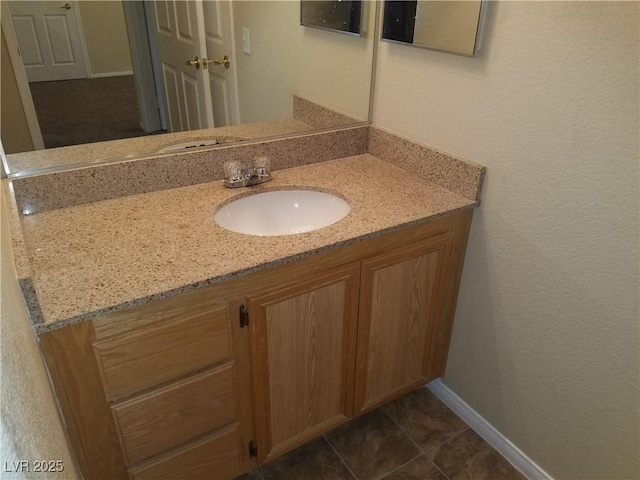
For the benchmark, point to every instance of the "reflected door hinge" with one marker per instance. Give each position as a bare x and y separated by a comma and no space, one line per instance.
244,316
253,449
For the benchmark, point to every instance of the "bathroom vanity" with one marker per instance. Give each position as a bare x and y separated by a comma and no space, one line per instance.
245,370
180,349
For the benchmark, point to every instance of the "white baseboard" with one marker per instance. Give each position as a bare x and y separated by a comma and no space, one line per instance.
111,74
488,432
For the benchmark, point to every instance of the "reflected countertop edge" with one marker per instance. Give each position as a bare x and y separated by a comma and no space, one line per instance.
47,160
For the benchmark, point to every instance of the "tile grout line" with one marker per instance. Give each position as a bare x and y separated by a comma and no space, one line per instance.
440,470
446,441
420,449
340,457
402,430
438,444
381,477
424,451
421,454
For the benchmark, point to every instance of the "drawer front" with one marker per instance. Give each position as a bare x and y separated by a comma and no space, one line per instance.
215,456
157,353
172,415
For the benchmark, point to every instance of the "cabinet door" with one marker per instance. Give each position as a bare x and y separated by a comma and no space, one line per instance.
303,358
398,304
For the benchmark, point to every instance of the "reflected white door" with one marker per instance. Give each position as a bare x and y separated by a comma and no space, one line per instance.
222,80
49,39
178,29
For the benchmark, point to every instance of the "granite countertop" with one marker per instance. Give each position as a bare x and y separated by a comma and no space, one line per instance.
91,259
146,145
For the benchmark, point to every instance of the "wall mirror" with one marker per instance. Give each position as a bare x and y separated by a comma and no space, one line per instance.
453,26
195,73
339,15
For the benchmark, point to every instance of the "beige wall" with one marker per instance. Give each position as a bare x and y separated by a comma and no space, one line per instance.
105,34
13,121
329,68
30,428
546,339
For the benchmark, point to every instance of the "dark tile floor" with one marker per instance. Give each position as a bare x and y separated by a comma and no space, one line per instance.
413,438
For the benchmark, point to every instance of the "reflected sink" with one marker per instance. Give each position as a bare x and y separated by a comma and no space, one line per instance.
284,212
199,142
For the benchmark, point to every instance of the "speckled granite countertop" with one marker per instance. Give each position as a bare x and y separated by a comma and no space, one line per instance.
90,259
146,145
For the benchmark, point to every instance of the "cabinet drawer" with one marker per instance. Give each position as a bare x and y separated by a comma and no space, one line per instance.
172,415
215,456
160,352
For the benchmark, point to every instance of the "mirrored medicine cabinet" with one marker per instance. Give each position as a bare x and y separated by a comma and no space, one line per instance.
344,16
453,26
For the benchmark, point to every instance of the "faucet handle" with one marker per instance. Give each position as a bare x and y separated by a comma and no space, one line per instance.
262,165
232,170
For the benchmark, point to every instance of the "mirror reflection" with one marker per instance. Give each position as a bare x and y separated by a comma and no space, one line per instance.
170,75
448,26
339,15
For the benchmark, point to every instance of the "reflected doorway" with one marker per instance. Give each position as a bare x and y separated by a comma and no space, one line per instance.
89,70
87,44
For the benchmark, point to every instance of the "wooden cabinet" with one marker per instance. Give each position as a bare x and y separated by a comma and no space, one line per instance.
303,352
306,379
167,417
179,344
183,388
399,300
143,390
215,456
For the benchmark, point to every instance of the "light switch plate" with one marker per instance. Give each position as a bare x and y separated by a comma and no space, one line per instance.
246,41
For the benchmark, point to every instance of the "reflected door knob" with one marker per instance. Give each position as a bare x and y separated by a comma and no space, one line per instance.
66,6
194,63
226,61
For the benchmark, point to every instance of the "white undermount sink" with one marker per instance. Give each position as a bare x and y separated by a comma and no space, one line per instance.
283,212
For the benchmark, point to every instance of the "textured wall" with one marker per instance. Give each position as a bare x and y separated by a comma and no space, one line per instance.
105,35
546,340
329,68
30,428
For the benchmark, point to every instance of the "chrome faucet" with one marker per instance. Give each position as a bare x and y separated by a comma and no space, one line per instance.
246,173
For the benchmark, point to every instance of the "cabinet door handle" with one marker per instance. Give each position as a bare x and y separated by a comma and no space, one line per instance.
244,316
253,449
